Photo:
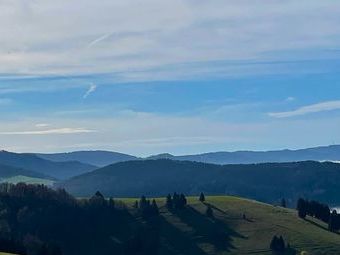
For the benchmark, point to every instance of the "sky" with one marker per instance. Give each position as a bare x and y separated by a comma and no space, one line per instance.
184,77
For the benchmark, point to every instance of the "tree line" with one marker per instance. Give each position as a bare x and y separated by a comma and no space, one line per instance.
319,211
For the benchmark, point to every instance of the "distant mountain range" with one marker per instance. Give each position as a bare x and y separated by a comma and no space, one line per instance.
103,158
33,163
96,158
324,153
268,182
62,166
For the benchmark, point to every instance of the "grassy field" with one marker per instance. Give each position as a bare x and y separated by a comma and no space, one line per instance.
3,253
28,180
191,232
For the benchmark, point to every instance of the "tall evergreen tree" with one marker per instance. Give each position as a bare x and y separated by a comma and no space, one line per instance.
209,212
302,208
154,207
281,244
169,202
283,203
112,202
202,197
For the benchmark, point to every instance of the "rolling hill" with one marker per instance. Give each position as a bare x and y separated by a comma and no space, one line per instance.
237,226
59,170
323,153
8,171
191,232
96,158
16,175
265,182
104,158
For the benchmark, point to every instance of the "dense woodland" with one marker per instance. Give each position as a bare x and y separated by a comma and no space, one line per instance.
36,220
319,211
264,182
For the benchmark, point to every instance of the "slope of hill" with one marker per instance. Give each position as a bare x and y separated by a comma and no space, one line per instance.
96,158
266,182
191,232
235,226
15,175
59,170
324,153
9,171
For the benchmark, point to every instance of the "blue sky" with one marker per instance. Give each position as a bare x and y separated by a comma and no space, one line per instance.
179,77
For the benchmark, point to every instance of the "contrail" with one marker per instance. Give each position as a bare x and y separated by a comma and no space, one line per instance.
92,89
99,39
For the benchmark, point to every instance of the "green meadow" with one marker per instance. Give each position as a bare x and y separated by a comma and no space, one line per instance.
189,231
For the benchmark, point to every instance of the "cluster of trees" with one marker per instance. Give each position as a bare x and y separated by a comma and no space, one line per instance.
313,209
277,244
12,246
146,208
37,220
334,221
176,201
202,197
319,211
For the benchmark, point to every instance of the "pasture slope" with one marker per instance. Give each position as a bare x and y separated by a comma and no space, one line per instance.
190,232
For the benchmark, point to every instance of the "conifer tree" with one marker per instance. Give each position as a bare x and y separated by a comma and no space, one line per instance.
154,207
209,212
112,202
302,208
202,197
169,202
283,203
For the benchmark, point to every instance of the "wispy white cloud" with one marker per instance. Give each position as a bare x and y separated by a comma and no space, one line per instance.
290,99
49,131
156,34
41,125
98,40
314,108
91,89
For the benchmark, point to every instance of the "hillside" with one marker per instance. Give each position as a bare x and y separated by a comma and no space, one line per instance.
96,158
322,153
59,170
15,175
9,171
264,182
235,226
191,232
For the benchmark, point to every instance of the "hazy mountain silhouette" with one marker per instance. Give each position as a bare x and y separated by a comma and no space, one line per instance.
96,158
323,153
59,170
266,182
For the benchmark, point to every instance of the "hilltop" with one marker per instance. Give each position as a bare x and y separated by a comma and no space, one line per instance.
322,153
95,158
267,182
191,232
236,226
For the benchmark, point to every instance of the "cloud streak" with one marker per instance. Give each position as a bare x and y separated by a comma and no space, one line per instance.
91,89
98,40
156,34
60,131
314,108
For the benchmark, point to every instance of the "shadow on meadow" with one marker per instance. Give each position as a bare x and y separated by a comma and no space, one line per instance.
205,230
